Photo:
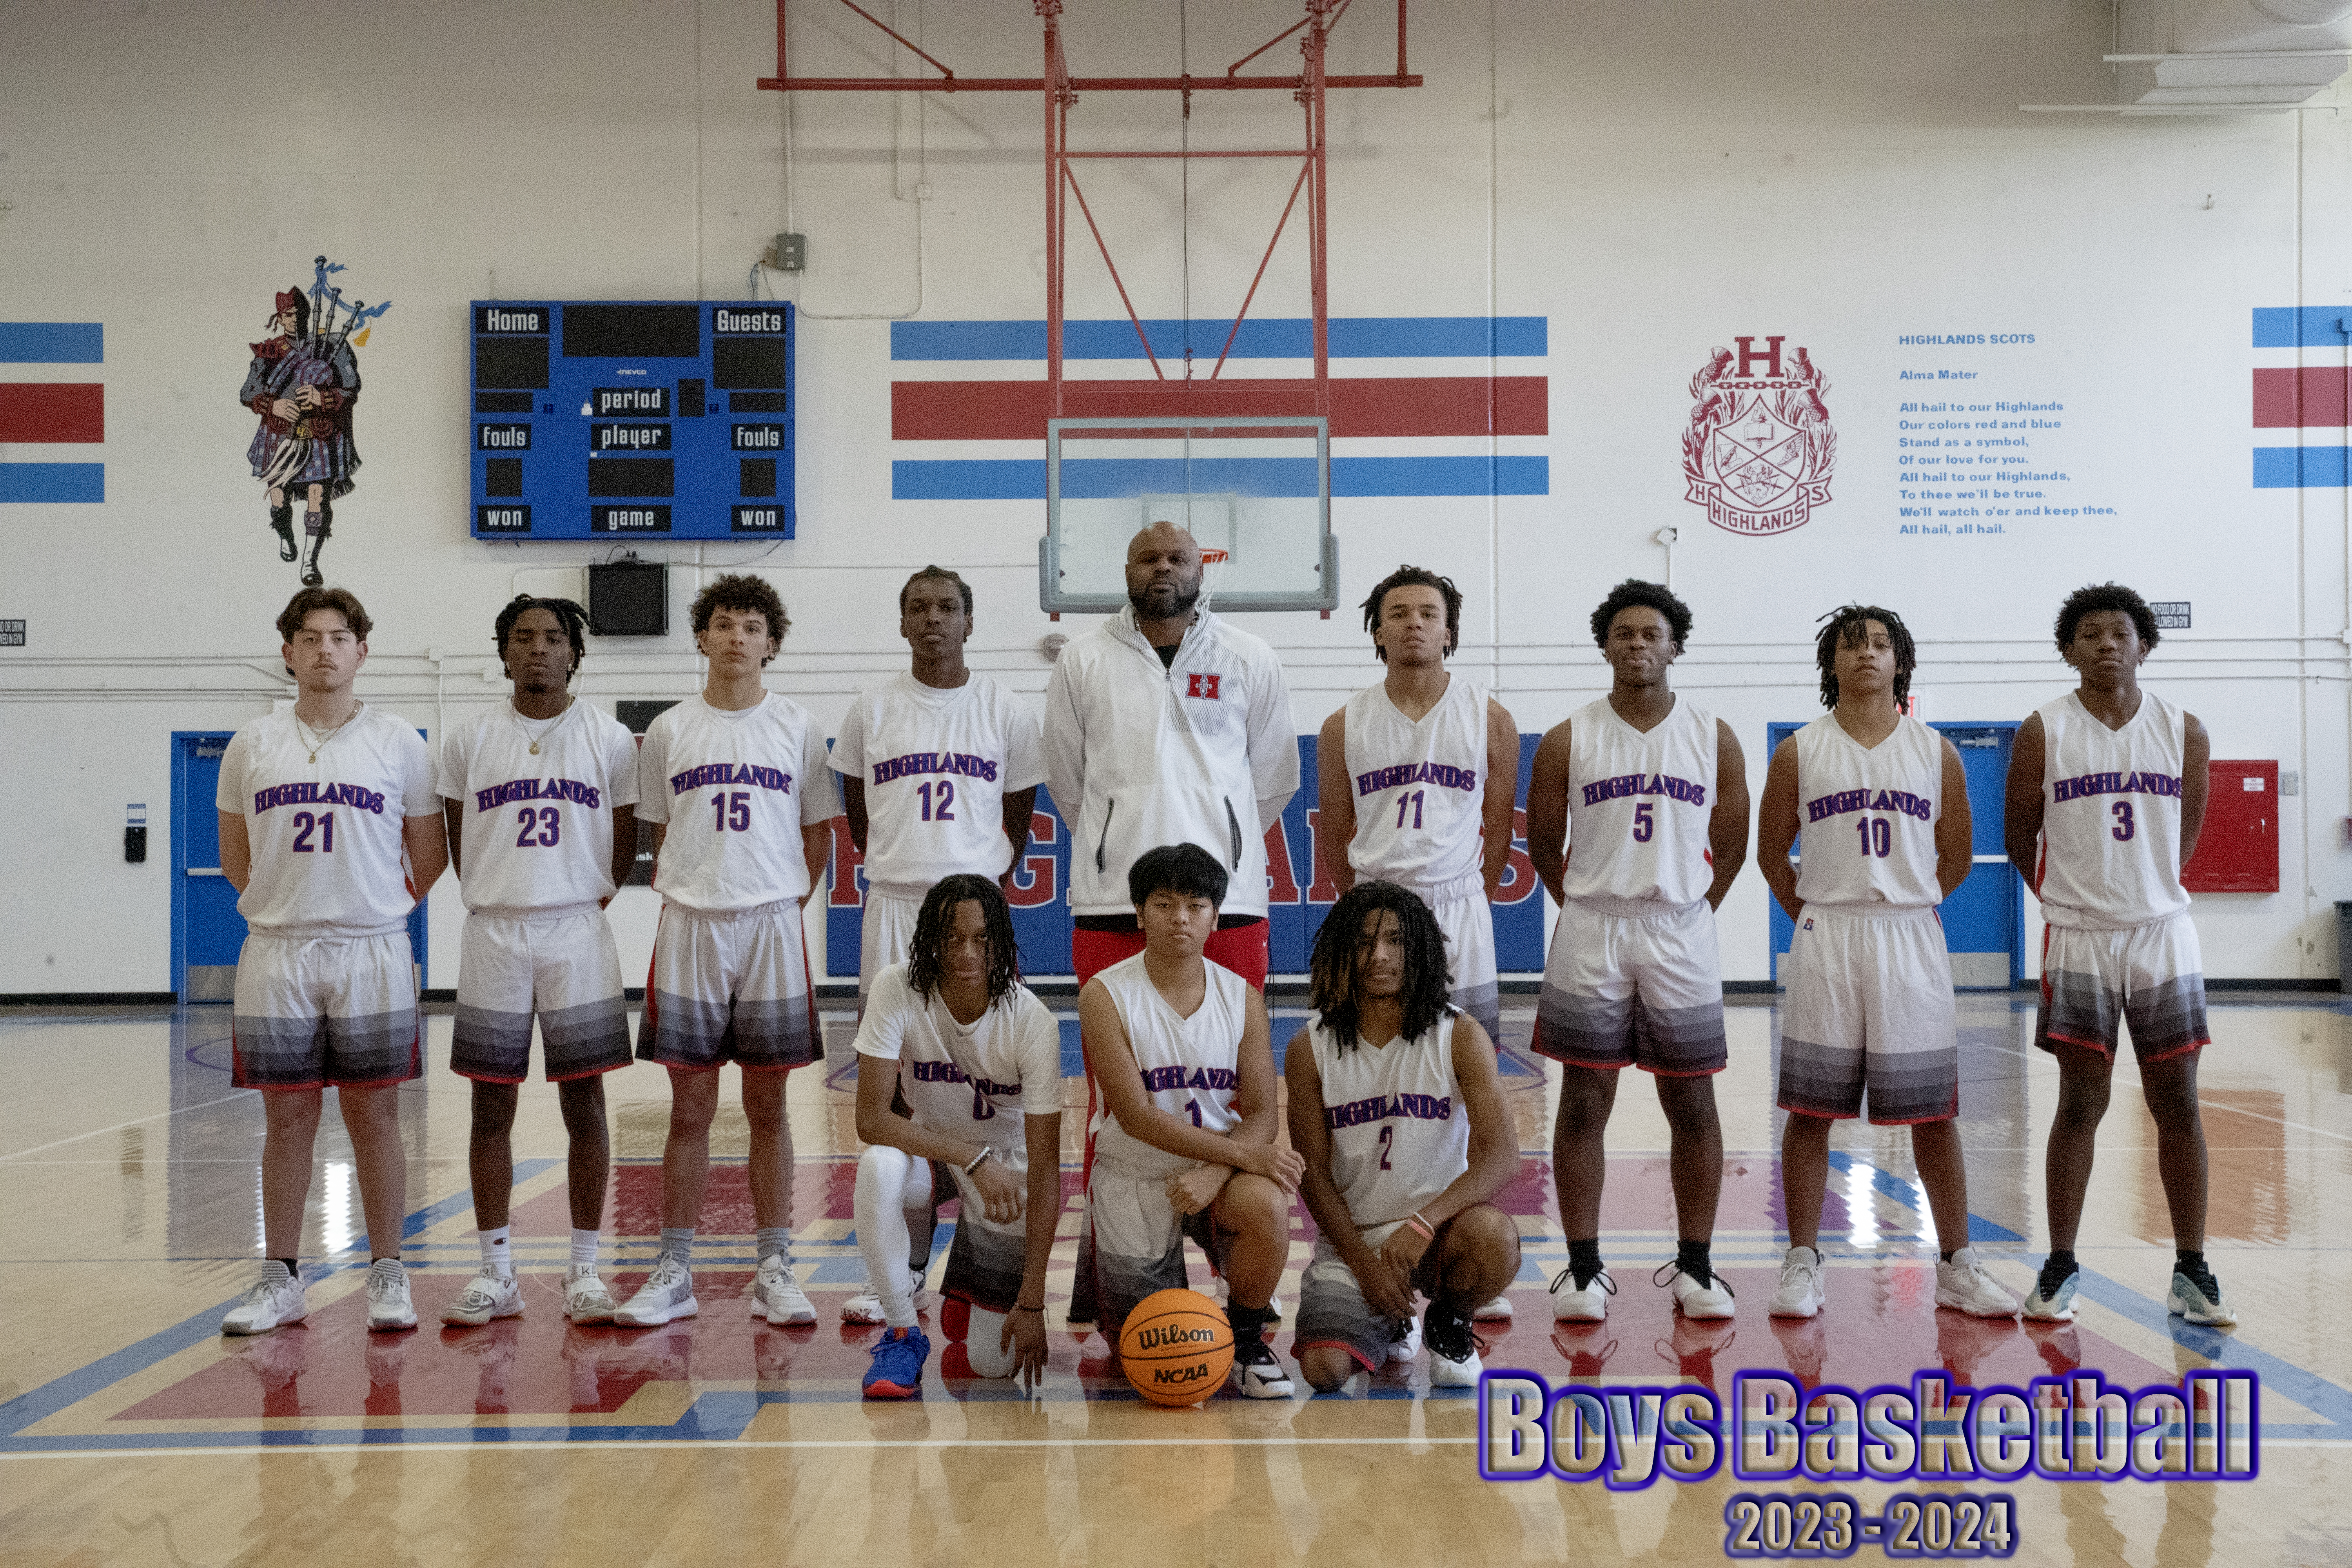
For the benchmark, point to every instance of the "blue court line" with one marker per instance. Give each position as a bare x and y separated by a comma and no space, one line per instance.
1888,1185
1275,337
1100,478
53,482
52,342
2287,327
2287,467
62,1393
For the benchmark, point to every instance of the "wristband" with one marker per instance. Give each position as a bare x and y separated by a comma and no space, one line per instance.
1420,1225
985,1150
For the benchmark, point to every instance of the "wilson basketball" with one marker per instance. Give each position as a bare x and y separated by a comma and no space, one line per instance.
1176,1347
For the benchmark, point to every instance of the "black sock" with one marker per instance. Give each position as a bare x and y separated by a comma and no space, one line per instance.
2059,1263
1690,1257
2189,1261
1248,1322
293,1265
1584,1260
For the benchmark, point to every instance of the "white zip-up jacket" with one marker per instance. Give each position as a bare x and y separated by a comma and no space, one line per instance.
1202,751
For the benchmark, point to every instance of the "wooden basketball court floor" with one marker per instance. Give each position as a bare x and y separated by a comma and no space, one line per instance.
132,1432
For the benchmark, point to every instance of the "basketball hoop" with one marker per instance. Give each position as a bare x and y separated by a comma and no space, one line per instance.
1212,561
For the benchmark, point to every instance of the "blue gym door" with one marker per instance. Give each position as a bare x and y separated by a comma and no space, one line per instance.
1984,920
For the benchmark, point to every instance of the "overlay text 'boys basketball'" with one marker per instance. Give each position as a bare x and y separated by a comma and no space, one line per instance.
331,833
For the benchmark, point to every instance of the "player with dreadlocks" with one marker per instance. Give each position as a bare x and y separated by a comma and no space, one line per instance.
1881,805
1397,1110
540,795
978,1059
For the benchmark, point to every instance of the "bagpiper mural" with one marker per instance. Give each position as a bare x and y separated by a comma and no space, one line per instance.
304,384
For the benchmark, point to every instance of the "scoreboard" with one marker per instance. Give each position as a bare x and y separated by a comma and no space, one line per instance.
629,419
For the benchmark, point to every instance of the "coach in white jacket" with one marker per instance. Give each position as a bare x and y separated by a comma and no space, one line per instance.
1167,725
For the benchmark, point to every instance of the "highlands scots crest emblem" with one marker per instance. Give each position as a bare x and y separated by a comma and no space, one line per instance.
1759,448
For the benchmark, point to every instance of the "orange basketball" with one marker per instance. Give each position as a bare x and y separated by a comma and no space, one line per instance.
1176,1347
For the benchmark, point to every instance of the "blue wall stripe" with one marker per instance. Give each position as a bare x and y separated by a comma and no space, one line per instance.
52,482
52,342
2300,468
2311,326
1353,337
1010,479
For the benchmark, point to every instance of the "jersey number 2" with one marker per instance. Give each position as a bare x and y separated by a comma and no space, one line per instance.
1388,1142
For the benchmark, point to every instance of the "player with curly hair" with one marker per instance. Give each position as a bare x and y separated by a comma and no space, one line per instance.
738,788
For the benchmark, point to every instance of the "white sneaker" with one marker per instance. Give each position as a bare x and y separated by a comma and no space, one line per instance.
1406,1344
866,1307
486,1295
1258,1374
1704,1302
389,1307
1571,1303
2190,1299
1963,1285
1498,1310
1801,1294
666,1294
2056,1305
1452,1349
274,1300
586,1300
777,1294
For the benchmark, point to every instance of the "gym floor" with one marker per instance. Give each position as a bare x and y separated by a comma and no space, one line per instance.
131,1431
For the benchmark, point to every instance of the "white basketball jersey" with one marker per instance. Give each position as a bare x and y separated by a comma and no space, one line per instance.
1867,819
1417,789
325,837
2111,815
936,766
538,830
1190,1066
1400,1134
735,789
968,1081
1638,809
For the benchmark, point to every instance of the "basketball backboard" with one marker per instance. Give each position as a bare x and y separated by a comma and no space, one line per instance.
1257,488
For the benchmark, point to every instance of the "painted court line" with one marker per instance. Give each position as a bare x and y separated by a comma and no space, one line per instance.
134,1121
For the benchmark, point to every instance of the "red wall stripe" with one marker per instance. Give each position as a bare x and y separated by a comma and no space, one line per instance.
52,411
2291,399
1361,406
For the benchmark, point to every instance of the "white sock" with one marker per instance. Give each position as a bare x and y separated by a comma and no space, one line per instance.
584,1251
884,1174
497,1258
984,1344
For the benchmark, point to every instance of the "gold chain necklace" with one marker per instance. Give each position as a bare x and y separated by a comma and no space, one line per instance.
516,719
318,742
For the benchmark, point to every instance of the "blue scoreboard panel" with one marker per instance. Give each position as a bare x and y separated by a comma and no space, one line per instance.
633,418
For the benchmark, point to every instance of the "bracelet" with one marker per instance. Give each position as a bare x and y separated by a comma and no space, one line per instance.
985,1150
1420,1225
1023,1307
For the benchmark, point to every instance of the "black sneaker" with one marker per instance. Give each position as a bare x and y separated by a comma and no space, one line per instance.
1257,1371
1453,1347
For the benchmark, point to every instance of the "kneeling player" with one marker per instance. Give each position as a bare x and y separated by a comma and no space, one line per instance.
979,1059
1881,804
1181,1142
1396,1108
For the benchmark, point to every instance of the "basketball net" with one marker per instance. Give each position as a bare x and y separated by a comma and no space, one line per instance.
1213,567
